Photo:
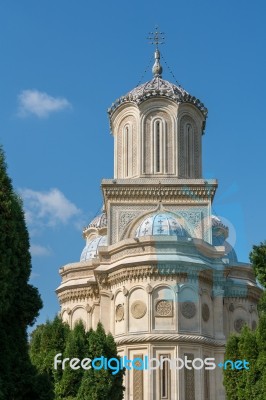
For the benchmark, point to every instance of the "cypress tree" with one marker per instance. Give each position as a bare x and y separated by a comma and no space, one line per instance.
231,377
76,347
20,302
47,340
101,384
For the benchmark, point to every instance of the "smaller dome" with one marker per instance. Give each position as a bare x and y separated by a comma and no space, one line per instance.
90,251
98,222
219,231
230,252
161,224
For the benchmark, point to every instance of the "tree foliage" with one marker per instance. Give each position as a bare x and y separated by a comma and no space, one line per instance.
20,302
258,261
250,345
101,384
55,337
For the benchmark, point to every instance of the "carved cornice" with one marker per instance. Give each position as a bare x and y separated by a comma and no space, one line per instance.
78,294
141,189
172,337
165,272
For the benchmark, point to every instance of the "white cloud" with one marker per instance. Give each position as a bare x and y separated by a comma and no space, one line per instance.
40,103
39,251
34,275
48,208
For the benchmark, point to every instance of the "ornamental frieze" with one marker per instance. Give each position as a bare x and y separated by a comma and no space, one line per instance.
156,193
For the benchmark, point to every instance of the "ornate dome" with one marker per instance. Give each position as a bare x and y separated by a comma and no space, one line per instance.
99,222
90,251
158,87
230,252
219,231
219,234
164,223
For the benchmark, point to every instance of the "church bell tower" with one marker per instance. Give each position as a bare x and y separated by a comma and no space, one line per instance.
157,269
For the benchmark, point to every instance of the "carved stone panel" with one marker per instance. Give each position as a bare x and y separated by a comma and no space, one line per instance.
164,308
138,379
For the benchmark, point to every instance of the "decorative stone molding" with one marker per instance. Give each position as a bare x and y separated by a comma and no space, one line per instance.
149,289
68,310
119,312
163,308
155,193
88,308
231,307
205,311
138,309
238,324
168,272
175,338
251,308
125,291
78,294
188,309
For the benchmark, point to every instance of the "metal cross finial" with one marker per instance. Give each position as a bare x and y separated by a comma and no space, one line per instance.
156,37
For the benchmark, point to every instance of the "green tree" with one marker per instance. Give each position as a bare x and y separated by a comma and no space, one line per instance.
47,340
231,377
20,302
101,384
258,261
76,347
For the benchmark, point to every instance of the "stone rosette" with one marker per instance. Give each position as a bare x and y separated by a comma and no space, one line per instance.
188,309
119,312
138,309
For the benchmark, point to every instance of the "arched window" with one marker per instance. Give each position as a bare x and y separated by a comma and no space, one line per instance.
189,146
158,146
128,151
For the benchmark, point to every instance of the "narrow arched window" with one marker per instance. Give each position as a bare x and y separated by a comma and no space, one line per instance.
126,150
189,145
158,146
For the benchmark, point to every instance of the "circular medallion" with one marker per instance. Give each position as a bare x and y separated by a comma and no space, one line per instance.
205,311
254,325
119,312
188,309
138,309
164,308
239,323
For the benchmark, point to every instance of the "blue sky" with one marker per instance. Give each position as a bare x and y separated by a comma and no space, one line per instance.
62,65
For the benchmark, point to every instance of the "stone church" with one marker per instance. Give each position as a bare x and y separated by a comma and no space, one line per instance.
156,268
